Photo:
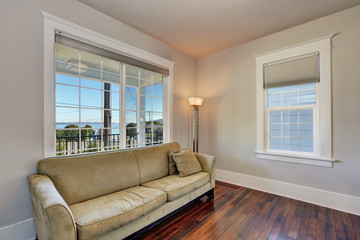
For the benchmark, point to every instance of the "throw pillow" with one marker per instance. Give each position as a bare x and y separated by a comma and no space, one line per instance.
186,162
172,166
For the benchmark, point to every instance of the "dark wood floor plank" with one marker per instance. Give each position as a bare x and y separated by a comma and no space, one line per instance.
190,220
321,224
242,213
349,228
339,226
269,223
330,225
289,203
356,223
304,224
213,220
311,234
248,229
283,234
233,217
230,233
295,225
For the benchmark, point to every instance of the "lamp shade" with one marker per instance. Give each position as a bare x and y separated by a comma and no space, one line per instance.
195,101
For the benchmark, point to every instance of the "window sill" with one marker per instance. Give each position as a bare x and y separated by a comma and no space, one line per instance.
307,160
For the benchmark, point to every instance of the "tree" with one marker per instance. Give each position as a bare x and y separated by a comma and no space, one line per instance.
131,130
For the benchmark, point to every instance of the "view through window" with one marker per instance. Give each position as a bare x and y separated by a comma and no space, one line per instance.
91,111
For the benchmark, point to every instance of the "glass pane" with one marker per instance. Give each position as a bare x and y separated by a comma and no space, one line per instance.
87,133
67,141
67,68
158,119
111,78
91,117
146,88
90,61
90,98
131,119
115,87
290,130
132,71
145,74
290,99
275,116
276,141
115,119
290,89
158,87
308,86
306,130
157,104
132,137
291,144
306,145
142,136
145,103
64,53
274,100
115,100
130,102
91,83
111,66
66,116
307,97
67,79
275,130
130,90
67,95
145,119
306,116
274,90
158,134
91,73
290,116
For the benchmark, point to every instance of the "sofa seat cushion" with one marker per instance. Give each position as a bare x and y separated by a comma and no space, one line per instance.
176,186
100,215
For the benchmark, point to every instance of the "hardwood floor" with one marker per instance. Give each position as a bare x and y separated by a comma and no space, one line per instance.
242,213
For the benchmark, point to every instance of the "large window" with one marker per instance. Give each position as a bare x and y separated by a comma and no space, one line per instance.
294,104
90,107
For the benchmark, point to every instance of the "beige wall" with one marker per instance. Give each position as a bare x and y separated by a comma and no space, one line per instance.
228,118
21,89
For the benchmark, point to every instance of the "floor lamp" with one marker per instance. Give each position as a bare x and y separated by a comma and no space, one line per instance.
196,103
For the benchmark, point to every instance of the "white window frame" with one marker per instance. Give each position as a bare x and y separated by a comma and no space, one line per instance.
322,155
53,24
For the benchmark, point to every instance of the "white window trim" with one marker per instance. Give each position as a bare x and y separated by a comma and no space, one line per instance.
323,155
53,24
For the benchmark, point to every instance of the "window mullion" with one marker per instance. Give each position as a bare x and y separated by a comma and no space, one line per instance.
80,145
123,106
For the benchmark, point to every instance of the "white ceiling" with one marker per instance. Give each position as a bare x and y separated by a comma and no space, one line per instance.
201,27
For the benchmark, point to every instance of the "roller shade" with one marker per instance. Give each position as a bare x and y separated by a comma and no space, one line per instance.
299,70
70,42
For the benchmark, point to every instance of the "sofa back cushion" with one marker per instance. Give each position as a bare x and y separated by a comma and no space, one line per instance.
82,177
153,161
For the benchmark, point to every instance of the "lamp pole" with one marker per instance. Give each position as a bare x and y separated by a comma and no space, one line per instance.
195,128
196,103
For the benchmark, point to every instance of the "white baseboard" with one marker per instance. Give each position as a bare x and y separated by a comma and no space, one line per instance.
338,201
23,230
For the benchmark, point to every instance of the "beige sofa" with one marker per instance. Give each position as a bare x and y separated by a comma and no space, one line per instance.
112,195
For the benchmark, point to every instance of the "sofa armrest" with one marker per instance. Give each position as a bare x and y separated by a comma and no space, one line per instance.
208,163
52,216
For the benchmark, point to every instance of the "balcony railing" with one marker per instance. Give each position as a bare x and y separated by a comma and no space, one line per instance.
94,143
